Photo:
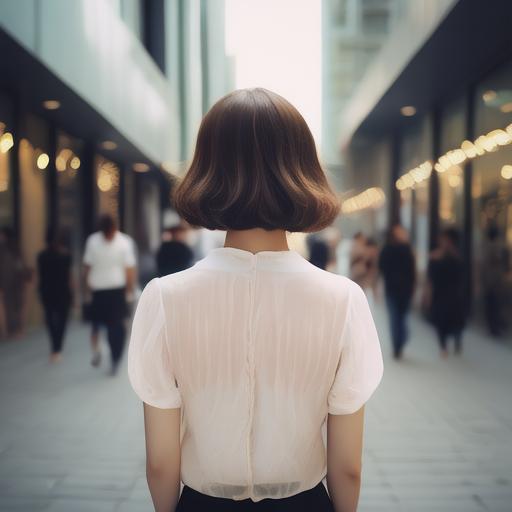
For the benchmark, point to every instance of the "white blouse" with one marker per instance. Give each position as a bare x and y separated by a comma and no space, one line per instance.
256,349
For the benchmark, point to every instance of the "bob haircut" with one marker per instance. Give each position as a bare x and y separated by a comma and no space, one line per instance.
255,166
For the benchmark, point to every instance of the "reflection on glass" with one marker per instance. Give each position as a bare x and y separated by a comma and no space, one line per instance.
492,199
107,182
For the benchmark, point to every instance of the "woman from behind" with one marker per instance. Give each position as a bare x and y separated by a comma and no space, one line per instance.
448,298
242,358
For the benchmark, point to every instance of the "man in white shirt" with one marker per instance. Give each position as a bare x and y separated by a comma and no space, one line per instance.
109,268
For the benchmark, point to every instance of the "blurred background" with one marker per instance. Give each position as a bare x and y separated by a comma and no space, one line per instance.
410,104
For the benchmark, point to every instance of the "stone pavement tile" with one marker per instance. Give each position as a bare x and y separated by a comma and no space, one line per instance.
31,486
135,506
110,483
22,503
377,502
78,505
497,504
21,466
83,492
466,504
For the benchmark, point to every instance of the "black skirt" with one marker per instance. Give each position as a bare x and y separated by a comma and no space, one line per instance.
312,500
108,306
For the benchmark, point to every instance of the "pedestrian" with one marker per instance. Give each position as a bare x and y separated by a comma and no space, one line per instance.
358,254
241,358
55,289
397,266
174,253
448,302
318,252
109,268
371,279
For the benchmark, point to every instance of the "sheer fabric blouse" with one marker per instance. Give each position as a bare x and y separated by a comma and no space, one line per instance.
256,349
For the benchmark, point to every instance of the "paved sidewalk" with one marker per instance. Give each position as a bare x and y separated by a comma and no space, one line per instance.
438,433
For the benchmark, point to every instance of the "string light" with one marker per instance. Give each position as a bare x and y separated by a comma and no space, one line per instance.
6,142
416,175
373,197
506,172
42,161
487,143
75,163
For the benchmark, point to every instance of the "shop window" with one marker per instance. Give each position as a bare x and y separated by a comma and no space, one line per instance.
6,188
68,165
107,182
451,181
492,197
33,168
416,151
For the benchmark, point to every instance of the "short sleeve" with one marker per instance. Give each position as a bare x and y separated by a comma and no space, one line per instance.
88,253
149,365
360,367
129,253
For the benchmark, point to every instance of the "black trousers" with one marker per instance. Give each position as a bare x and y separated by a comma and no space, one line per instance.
397,311
56,317
109,308
116,334
313,500
443,334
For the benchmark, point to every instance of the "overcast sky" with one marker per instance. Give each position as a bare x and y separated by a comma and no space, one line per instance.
277,45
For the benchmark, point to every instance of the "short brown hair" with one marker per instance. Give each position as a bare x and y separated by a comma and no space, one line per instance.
255,166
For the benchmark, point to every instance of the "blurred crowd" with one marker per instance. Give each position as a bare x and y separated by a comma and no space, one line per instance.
110,281
388,273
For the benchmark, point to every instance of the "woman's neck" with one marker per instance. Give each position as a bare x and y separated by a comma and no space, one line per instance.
257,239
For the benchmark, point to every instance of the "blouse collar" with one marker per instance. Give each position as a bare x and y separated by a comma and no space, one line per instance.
234,259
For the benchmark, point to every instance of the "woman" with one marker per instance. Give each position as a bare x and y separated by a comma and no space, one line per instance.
54,269
241,358
447,297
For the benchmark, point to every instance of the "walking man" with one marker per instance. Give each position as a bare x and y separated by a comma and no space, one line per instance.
397,266
109,268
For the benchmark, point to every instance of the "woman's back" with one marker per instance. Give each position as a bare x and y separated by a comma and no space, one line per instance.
256,349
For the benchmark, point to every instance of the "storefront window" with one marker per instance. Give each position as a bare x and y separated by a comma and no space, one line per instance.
492,199
416,149
107,182
68,165
6,189
451,181
6,148
33,167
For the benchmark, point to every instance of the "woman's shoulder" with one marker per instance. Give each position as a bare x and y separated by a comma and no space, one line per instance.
331,285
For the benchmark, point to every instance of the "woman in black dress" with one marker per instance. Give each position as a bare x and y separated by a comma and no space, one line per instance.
54,269
446,278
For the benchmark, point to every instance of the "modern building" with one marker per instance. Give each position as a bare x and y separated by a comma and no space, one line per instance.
99,101
353,31
430,126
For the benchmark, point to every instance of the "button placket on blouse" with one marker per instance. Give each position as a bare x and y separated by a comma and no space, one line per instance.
250,368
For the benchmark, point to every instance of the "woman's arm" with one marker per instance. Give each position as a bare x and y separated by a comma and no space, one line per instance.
163,456
344,453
